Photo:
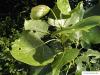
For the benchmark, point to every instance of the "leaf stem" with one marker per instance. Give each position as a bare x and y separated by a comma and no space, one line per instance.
68,68
48,42
56,18
54,14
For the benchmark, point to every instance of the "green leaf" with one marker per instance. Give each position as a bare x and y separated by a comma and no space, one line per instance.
77,14
39,11
80,66
93,53
39,27
85,57
65,57
93,36
84,25
31,50
64,6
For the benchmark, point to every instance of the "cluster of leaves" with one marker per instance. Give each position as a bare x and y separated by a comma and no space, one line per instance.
9,31
65,50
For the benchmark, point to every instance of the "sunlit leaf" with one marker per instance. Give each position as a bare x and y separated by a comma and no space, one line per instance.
77,14
39,11
31,50
64,6
84,25
39,27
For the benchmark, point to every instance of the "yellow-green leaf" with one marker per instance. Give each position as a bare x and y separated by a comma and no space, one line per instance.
31,50
39,11
64,6
65,57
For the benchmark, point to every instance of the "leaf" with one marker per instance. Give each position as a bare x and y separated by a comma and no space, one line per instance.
93,36
39,11
85,57
64,6
39,27
77,14
84,25
65,57
93,53
80,67
31,50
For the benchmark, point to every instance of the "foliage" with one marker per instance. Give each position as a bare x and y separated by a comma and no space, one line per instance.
57,41
64,5
29,48
39,11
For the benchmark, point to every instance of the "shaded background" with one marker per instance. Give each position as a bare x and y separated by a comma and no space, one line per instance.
13,7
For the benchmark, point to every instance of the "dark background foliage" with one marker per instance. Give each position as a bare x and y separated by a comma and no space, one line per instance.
12,15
